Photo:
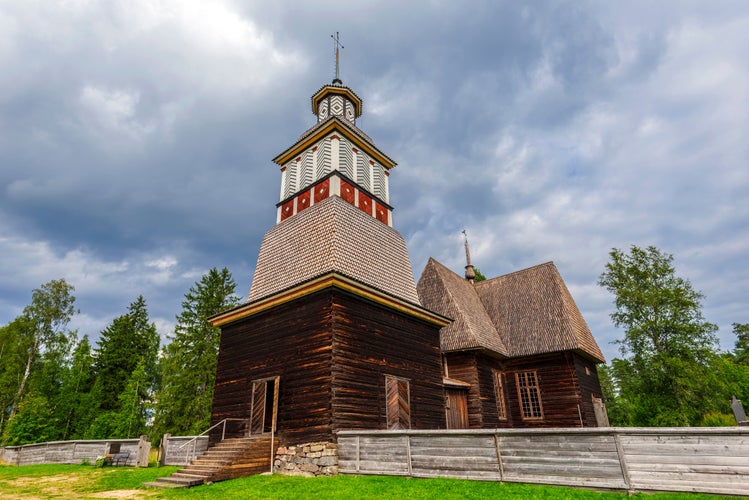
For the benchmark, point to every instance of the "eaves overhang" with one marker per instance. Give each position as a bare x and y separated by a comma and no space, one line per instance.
328,280
334,124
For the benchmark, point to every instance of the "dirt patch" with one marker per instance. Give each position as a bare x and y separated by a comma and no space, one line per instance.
120,494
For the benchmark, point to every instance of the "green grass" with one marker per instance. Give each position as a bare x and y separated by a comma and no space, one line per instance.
81,482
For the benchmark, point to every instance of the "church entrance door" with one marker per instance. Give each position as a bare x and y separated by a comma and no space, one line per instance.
264,406
456,408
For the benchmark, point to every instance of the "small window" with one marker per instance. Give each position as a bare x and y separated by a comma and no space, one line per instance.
499,394
529,395
397,403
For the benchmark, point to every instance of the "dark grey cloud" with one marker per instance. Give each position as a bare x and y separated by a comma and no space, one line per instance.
136,139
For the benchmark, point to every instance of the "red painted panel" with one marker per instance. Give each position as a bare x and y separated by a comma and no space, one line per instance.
380,212
322,190
347,192
365,203
287,209
302,201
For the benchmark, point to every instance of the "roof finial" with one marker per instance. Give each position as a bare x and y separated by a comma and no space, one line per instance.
336,45
470,273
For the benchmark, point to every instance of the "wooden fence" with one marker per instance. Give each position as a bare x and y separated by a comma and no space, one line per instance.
706,460
179,450
76,452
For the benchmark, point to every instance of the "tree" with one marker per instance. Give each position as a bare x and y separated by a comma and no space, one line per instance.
479,275
33,423
741,352
127,343
76,405
189,361
14,346
667,375
44,326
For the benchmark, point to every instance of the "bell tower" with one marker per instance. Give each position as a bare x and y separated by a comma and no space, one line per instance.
335,157
333,317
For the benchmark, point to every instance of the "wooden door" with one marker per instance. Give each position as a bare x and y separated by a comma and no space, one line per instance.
456,408
264,405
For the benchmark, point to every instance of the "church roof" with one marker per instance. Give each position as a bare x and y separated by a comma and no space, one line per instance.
442,290
531,310
333,236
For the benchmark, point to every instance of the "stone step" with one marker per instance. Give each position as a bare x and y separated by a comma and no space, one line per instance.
164,484
178,482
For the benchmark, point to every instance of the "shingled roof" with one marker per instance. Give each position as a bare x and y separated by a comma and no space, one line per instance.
532,312
333,236
442,290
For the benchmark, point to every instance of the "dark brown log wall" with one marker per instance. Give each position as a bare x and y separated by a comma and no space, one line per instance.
475,368
590,386
292,341
463,366
563,381
331,351
371,342
560,394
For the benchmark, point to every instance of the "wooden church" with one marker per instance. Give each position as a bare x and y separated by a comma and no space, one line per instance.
337,335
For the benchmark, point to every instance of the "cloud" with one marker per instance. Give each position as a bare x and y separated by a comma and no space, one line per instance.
136,139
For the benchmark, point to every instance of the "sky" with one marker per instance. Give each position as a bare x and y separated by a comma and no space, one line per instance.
136,139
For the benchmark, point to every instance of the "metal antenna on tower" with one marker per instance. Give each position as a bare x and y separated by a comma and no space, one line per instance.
336,45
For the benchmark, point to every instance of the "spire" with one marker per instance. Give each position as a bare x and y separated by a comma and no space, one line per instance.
336,45
470,273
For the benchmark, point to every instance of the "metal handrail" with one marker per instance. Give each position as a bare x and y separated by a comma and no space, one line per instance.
194,440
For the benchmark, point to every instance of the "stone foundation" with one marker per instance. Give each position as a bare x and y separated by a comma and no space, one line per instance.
309,459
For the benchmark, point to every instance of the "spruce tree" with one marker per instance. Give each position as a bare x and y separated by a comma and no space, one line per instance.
124,345
189,361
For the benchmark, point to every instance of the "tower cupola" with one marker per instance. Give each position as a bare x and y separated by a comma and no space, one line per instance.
335,158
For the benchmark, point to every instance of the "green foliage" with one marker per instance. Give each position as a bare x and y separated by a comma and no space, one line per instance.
716,419
189,360
668,376
741,352
43,329
32,423
75,404
619,409
125,343
14,345
479,275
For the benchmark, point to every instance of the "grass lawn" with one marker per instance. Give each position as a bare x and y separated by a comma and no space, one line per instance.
82,482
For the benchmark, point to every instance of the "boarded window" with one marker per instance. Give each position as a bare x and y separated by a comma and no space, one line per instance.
398,403
529,395
499,394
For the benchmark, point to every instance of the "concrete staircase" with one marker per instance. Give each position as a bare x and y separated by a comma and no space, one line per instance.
229,459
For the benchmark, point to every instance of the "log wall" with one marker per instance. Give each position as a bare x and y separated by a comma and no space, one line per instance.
563,379
292,341
705,460
331,350
559,386
75,452
371,342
